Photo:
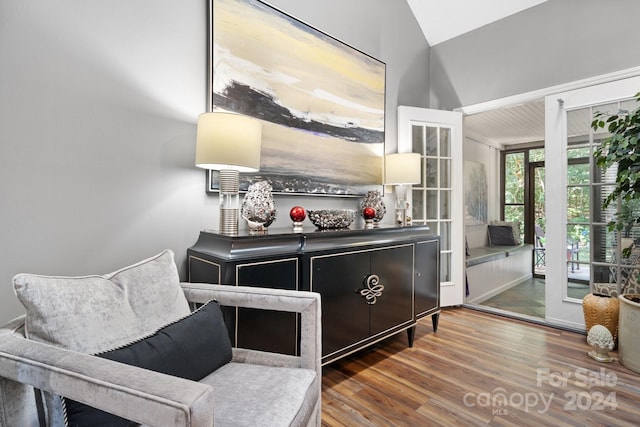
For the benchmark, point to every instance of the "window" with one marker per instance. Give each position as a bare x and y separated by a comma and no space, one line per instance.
523,189
514,187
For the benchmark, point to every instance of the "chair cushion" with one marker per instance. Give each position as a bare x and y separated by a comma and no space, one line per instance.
277,396
92,314
190,348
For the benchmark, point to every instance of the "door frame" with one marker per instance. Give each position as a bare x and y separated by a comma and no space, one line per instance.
561,313
530,214
535,95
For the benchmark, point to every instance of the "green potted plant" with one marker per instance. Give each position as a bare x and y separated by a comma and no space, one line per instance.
622,149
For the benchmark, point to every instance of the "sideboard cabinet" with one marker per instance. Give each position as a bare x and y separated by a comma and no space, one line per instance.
373,283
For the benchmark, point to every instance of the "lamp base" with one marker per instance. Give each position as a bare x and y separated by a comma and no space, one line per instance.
228,221
401,215
229,201
401,205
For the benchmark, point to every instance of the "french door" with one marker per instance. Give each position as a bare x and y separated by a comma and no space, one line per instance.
573,211
437,200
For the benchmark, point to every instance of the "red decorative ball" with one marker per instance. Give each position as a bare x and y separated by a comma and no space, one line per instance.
297,214
369,212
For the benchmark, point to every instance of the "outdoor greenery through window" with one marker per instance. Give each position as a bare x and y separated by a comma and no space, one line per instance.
514,187
587,187
523,201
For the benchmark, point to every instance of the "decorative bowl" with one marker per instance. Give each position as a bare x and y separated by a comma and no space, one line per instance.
332,218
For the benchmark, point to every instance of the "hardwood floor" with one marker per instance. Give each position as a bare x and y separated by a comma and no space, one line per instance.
480,369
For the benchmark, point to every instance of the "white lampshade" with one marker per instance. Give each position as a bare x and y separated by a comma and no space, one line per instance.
228,141
402,168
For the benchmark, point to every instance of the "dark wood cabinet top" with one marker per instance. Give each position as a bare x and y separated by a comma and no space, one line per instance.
281,241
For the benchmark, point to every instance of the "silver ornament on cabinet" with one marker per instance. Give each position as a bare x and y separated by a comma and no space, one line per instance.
258,207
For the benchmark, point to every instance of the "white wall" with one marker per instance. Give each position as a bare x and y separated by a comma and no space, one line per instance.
98,104
97,109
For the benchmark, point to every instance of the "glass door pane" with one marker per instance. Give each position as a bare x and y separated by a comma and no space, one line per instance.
569,145
594,251
579,166
432,197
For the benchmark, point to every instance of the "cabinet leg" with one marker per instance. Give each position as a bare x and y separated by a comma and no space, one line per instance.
434,321
411,333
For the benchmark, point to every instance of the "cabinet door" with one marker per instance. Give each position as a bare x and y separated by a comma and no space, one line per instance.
427,284
203,271
268,330
345,314
394,307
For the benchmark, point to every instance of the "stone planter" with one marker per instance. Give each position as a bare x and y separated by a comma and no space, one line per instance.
629,332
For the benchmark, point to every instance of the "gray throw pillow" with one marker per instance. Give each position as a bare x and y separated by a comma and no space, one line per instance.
515,228
501,235
92,314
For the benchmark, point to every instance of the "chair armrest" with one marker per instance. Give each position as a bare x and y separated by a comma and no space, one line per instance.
305,303
127,391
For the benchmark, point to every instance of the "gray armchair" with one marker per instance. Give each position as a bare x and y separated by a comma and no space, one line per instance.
254,389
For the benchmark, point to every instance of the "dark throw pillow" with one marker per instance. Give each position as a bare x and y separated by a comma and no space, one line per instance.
501,235
190,348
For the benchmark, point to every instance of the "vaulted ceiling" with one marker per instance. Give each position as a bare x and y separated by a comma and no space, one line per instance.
442,20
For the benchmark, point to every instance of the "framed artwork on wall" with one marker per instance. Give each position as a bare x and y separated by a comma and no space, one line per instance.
475,193
321,102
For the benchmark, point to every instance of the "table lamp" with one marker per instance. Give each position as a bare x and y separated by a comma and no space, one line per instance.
402,169
229,143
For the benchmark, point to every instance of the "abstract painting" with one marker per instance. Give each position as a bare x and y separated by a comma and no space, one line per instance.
475,196
321,102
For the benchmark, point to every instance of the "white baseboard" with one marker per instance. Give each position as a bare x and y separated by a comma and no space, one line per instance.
566,324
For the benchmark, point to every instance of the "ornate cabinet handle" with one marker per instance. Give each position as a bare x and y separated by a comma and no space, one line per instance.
372,290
